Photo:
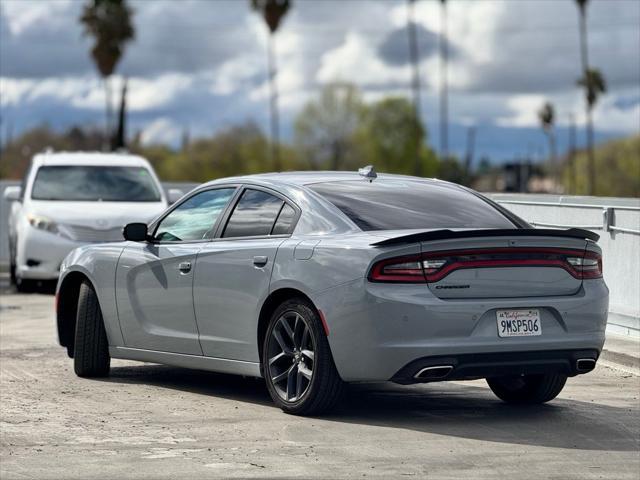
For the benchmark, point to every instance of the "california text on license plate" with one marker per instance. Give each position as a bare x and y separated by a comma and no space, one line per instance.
518,323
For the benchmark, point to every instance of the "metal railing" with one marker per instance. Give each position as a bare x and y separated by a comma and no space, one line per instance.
608,215
619,241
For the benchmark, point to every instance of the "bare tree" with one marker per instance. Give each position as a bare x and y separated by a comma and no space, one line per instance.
273,11
109,23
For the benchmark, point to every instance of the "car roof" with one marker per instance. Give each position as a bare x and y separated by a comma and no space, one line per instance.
311,177
89,159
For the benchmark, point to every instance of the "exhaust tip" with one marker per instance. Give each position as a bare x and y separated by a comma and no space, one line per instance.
585,364
436,372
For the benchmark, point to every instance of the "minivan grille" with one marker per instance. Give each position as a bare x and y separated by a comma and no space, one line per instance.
92,235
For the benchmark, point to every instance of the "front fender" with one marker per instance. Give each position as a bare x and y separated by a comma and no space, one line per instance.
98,264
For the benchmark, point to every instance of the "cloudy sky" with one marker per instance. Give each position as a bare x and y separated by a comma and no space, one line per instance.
199,65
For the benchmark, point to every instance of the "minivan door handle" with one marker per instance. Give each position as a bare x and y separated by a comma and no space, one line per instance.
260,260
184,267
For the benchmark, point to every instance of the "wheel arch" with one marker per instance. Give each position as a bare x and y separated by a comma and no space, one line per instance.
67,307
272,302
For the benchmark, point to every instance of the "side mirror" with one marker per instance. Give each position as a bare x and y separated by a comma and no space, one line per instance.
135,232
13,194
173,195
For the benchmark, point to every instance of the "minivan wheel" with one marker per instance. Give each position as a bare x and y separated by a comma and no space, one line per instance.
25,286
12,272
91,349
528,389
297,363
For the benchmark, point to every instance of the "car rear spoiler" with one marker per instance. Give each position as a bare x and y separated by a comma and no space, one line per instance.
497,232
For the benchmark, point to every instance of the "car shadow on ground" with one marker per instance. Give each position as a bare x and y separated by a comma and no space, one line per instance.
461,410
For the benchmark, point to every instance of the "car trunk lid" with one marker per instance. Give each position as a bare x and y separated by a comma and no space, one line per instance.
502,264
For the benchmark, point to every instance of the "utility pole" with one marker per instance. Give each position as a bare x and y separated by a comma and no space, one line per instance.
573,181
471,141
415,58
444,101
584,56
273,103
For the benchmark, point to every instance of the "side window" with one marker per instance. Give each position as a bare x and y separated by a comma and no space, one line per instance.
284,223
194,218
254,215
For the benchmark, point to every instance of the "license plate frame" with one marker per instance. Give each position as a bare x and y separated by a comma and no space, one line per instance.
518,322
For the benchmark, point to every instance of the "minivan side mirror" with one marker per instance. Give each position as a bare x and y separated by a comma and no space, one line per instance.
173,195
135,232
12,194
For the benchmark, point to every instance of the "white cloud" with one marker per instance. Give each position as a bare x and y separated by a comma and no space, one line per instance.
162,130
88,92
203,64
523,111
23,14
356,61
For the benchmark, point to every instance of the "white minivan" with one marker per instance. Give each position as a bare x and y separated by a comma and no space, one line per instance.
72,199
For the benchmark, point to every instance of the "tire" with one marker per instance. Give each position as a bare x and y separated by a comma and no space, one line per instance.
91,349
26,286
528,389
323,390
13,280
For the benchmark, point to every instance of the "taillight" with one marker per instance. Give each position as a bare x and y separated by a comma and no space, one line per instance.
589,266
434,266
398,270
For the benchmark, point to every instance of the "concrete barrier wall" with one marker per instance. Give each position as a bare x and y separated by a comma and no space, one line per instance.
620,242
621,249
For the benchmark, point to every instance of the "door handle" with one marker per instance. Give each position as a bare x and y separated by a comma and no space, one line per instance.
184,267
260,260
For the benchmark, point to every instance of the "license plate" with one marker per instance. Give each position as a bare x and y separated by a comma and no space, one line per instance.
518,323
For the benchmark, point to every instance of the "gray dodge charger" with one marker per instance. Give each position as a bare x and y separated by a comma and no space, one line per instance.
314,280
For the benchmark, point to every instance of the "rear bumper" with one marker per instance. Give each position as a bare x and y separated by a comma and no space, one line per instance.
485,365
377,330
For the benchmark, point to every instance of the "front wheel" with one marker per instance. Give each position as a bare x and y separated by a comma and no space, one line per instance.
91,349
297,362
528,389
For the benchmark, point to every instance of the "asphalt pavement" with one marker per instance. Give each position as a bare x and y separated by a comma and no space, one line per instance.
153,421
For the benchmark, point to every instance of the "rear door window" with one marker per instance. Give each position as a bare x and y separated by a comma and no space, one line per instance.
398,204
254,215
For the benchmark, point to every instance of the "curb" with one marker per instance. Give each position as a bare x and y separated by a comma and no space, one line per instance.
622,361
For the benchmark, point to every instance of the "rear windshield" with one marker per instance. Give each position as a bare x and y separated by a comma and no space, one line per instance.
409,204
95,183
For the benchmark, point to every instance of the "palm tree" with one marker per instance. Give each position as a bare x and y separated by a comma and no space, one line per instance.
109,23
593,83
547,115
273,12
415,62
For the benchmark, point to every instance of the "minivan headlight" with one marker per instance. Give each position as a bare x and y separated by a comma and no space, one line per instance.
42,223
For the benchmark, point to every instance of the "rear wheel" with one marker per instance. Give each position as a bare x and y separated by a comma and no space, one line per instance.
91,349
528,389
297,362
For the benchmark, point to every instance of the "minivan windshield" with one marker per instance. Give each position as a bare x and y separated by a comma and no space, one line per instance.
81,183
386,204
